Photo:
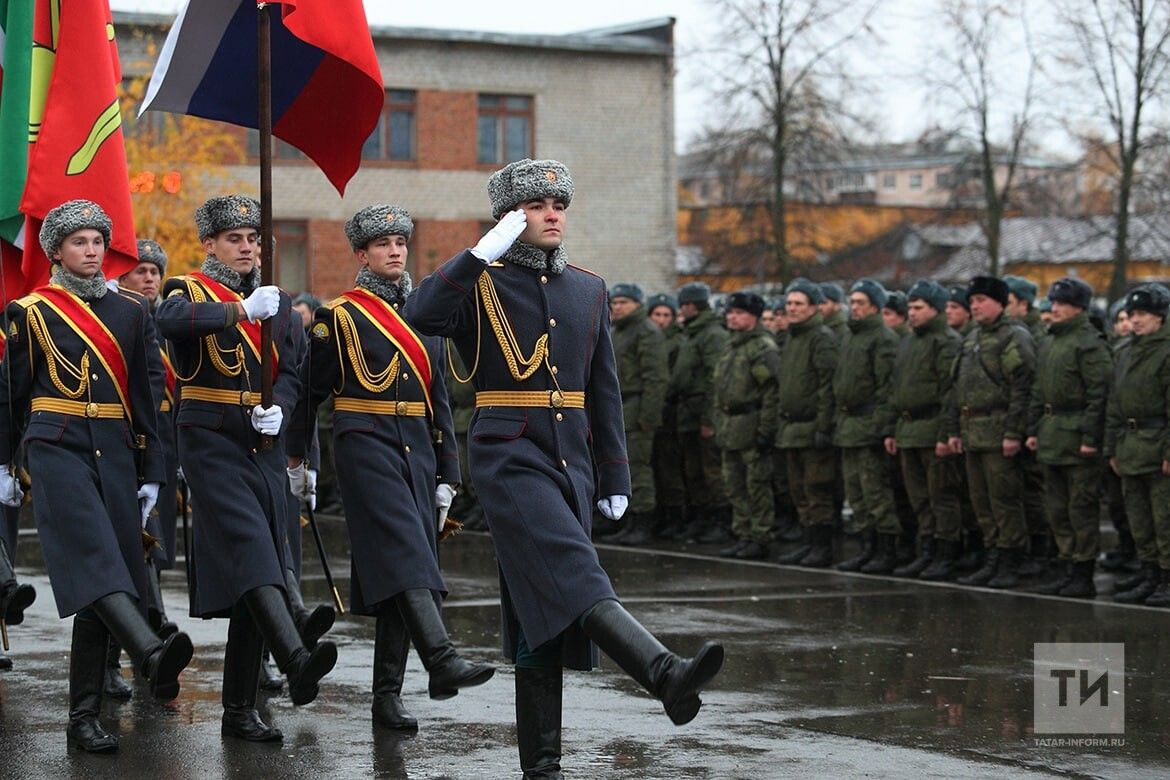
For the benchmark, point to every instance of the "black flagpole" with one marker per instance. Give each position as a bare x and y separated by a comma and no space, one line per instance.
267,257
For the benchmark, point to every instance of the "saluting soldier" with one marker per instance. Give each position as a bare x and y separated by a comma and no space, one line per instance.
78,367
212,319
547,437
668,471
397,460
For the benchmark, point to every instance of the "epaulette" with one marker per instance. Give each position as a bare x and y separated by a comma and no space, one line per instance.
133,295
495,264
333,304
26,301
586,270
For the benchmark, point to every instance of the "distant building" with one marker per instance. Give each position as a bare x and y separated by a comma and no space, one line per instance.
460,105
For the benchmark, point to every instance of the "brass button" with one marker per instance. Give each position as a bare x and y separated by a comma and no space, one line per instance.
245,397
552,322
556,399
564,463
407,448
543,279
560,417
400,410
554,369
91,410
97,453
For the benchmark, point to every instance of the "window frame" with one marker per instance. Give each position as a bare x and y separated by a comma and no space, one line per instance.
502,112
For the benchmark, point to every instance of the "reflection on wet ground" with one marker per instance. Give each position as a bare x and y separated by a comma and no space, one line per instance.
826,674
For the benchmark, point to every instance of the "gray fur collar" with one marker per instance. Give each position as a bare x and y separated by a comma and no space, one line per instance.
528,256
391,292
86,289
230,278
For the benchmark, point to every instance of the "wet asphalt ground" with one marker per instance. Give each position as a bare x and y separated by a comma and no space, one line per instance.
827,675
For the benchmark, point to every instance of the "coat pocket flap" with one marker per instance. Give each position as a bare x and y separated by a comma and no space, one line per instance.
500,427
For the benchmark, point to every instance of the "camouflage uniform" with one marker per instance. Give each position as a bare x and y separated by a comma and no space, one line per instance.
640,352
706,341
668,474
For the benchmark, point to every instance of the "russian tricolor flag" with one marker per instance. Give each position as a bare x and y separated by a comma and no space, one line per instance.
327,90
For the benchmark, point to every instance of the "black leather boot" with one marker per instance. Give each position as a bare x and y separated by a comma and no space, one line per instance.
15,598
638,534
1007,573
942,568
886,559
1080,585
448,670
270,677
115,686
820,554
794,556
1148,570
1161,596
1054,586
538,722
304,668
87,666
926,547
1144,588
156,612
672,523
391,646
868,548
158,660
311,625
241,676
732,549
674,680
983,575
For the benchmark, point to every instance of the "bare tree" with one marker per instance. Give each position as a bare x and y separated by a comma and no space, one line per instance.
1123,46
780,75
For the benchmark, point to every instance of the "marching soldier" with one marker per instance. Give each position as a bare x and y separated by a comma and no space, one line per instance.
1067,431
396,456
920,390
805,429
640,350
239,567
988,422
547,438
861,388
668,474
15,597
745,424
78,366
832,313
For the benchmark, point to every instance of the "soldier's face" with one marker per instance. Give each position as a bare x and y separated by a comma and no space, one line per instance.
546,223
860,306
799,308
1017,308
621,306
892,318
1144,323
144,280
768,319
919,312
985,309
306,313
740,320
81,252
688,311
1122,326
827,307
238,249
781,321
957,315
662,316
385,257
1063,312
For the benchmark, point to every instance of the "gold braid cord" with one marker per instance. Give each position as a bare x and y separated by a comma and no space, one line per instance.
54,358
213,350
374,383
520,367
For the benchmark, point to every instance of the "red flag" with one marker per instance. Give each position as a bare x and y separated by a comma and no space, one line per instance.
78,151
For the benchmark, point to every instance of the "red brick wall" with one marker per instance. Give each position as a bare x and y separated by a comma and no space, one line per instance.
446,130
436,240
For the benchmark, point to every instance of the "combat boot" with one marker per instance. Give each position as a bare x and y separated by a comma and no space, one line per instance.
638,534
1131,581
943,566
449,671
868,548
796,555
1007,573
15,598
115,686
720,528
1055,586
158,660
87,668
1036,562
1080,585
926,547
983,575
304,668
1161,596
731,550
753,551
1121,554
695,524
156,612
672,679
886,558
241,677
391,647
974,554
820,554
671,526
1143,589
311,625
538,721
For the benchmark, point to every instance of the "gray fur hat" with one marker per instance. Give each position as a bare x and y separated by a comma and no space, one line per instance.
933,293
1071,290
831,291
694,292
662,299
896,301
870,289
149,251
627,290
811,289
376,221
226,212
524,180
70,217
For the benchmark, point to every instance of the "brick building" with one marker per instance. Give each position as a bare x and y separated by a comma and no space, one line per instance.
460,105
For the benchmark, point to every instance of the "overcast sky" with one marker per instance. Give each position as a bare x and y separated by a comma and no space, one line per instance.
908,37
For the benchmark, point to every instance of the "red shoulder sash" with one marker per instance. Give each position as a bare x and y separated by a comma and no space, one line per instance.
393,327
249,331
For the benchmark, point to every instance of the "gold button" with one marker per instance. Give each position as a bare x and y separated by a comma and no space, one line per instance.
564,463
407,448
544,280
560,417
554,369
552,322
91,409
97,453
400,410
556,399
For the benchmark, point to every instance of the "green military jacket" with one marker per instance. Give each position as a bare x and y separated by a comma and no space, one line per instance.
861,384
1073,371
639,350
993,383
837,324
1136,431
1035,326
806,384
745,391
674,340
920,391
691,380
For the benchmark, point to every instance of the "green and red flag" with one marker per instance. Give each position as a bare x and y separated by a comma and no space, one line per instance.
16,24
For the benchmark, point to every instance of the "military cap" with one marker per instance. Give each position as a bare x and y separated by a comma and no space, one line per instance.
959,295
627,290
747,301
779,303
524,180
70,217
1115,310
226,212
149,251
308,299
931,292
1071,290
830,291
802,285
1043,305
694,292
896,302
662,299
1024,289
991,286
376,221
870,289
1150,297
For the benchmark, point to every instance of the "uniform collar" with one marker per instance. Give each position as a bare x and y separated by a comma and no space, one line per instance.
394,293
230,278
86,289
529,256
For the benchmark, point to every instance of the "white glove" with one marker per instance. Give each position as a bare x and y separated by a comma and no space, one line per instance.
10,492
496,241
262,303
613,507
181,476
298,480
444,495
311,484
147,498
267,421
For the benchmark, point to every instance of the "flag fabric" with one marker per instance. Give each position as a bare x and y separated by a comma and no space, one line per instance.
16,25
75,130
327,90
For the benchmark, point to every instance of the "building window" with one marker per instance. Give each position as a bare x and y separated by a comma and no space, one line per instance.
504,128
916,181
394,136
889,181
291,271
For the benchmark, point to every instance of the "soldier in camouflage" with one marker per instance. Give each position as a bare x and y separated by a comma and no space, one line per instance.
832,313
668,475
